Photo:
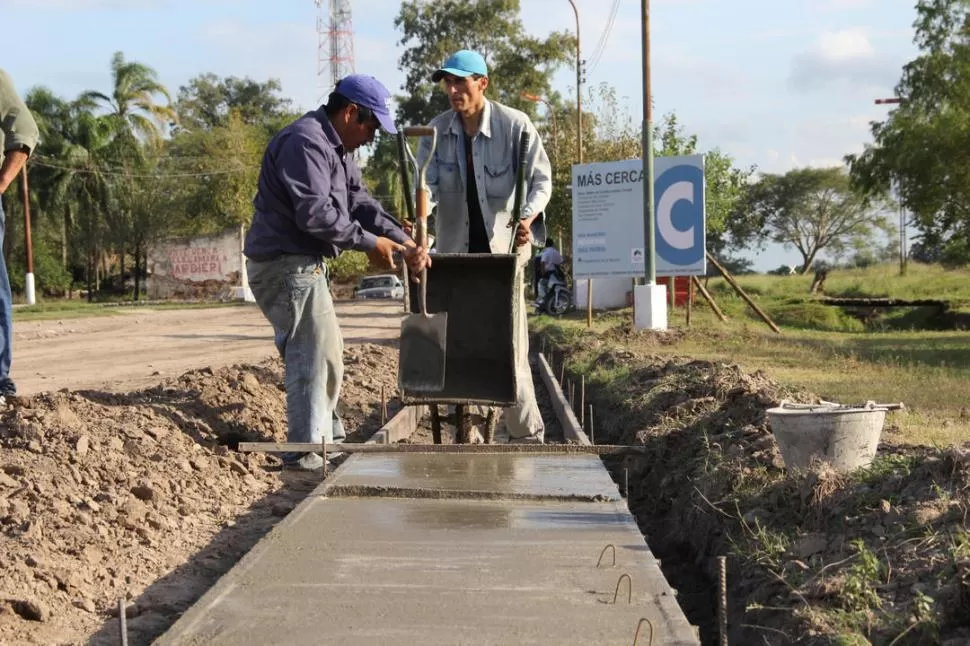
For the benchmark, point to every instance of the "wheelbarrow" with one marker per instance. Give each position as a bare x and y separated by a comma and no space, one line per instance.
478,292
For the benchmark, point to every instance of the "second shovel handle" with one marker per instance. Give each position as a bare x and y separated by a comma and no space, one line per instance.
418,131
421,216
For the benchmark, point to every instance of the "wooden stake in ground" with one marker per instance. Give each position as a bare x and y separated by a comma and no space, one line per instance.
707,297
730,279
690,299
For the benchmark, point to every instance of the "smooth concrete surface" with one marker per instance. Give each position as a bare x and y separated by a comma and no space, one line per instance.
556,477
439,572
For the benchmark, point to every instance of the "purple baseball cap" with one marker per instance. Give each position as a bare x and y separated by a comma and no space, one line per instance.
367,91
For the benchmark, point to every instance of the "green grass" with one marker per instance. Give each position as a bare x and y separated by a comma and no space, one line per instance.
929,371
920,281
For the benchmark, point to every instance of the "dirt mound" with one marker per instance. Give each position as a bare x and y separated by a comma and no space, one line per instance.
140,495
878,556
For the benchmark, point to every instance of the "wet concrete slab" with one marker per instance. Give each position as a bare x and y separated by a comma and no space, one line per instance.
440,572
478,476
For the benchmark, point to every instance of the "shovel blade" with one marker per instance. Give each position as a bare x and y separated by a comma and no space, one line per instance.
422,360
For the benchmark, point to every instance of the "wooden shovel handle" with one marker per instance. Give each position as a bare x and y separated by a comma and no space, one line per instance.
418,131
421,215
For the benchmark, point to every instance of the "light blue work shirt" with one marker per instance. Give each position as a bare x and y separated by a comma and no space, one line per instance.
495,161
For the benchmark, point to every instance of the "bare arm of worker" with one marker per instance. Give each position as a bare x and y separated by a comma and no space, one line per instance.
13,161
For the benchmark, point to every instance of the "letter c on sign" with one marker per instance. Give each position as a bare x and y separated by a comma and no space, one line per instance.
676,238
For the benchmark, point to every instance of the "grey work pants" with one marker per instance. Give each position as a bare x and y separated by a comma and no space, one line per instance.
293,293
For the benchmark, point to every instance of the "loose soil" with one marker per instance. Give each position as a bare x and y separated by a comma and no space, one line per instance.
879,556
140,496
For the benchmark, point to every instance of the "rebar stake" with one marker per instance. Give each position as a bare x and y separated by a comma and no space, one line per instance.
122,622
722,599
383,408
592,436
626,482
636,636
608,546
582,402
629,588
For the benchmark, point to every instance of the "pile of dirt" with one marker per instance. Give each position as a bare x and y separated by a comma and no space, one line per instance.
878,556
140,496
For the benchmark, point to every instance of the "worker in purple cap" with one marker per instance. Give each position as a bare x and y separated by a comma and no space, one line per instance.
310,205
472,181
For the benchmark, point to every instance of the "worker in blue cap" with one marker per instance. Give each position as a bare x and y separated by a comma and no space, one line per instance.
472,181
310,205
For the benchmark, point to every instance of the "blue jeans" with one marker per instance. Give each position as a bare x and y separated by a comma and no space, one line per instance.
6,317
294,295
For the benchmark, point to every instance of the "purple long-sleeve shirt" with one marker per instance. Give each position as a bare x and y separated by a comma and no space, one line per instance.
311,199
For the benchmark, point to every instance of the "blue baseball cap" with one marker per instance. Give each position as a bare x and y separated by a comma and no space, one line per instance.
367,91
462,64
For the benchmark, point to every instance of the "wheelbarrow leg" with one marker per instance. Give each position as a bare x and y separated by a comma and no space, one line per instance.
435,424
490,422
462,423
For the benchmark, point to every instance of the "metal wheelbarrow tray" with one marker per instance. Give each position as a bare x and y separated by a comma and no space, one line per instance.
478,292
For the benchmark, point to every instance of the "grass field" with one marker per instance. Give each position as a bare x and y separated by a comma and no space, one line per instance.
829,352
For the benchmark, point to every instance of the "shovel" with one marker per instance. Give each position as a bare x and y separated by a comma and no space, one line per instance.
423,335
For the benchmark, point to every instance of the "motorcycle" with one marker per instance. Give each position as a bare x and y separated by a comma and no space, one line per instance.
559,297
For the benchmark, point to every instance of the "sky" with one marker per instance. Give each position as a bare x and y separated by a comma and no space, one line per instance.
776,84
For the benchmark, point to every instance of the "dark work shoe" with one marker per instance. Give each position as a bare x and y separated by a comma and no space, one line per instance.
8,388
309,462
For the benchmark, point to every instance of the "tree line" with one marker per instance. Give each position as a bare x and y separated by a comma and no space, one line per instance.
121,168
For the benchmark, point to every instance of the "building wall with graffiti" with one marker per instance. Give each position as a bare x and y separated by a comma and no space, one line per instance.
199,268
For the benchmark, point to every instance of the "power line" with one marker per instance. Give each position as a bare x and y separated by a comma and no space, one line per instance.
121,173
605,36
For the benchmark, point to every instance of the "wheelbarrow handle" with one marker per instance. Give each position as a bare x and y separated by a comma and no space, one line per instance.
421,131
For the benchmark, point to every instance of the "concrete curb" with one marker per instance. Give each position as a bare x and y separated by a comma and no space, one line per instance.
399,427
571,429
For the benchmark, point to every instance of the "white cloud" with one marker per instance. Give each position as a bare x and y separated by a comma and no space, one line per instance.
845,45
845,57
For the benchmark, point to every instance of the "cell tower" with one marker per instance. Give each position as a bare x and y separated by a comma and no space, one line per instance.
335,43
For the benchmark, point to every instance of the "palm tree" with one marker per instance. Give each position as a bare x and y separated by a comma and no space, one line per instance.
132,101
139,122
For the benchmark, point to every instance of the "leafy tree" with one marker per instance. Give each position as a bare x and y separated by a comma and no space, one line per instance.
208,101
923,147
434,29
223,163
811,210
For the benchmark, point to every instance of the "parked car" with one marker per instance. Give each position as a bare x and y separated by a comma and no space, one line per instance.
383,286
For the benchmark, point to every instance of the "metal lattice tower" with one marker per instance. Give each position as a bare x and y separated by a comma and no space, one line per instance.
335,43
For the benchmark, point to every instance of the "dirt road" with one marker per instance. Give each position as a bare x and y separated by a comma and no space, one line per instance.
138,347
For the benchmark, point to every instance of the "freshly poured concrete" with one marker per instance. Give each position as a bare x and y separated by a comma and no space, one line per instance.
556,477
375,570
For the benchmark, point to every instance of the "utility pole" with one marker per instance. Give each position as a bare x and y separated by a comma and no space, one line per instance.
648,207
29,284
579,90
